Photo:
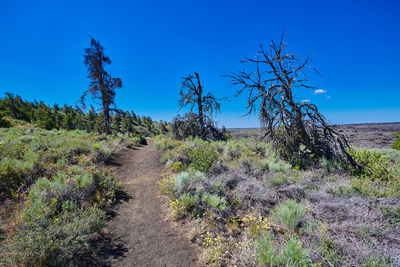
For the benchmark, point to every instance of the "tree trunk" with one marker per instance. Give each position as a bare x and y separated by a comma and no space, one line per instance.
200,106
106,113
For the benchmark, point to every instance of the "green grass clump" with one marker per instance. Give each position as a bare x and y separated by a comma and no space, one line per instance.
289,213
214,201
188,200
266,251
291,254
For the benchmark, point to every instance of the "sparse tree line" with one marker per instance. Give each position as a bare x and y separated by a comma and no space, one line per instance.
72,118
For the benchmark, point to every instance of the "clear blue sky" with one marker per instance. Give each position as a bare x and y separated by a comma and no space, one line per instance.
152,44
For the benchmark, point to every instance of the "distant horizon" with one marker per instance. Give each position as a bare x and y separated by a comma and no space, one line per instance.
153,44
252,118
367,123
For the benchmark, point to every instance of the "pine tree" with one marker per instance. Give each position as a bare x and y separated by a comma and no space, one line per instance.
102,85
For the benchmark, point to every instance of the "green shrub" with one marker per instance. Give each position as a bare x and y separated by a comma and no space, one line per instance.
391,213
266,252
374,165
160,142
378,176
214,201
12,174
273,163
377,261
396,144
202,157
181,180
4,123
365,187
188,200
392,155
132,142
108,189
167,186
55,240
291,254
62,212
278,180
178,166
228,135
235,148
331,165
288,213
55,230
184,179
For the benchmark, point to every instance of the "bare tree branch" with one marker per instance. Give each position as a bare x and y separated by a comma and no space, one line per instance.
295,127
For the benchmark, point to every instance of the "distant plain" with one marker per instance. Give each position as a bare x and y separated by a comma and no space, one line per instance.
375,135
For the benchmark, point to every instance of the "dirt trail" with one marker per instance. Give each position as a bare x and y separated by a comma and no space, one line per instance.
139,226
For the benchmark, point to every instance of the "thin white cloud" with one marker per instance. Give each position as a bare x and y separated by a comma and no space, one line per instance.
319,91
328,97
305,100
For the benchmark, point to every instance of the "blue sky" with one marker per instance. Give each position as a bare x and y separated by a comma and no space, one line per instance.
152,44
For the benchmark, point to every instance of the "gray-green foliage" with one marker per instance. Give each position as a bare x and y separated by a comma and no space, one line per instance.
288,213
214,201
291,254
63,211
55,240
189,200
185,180
249,178
27,153
331,165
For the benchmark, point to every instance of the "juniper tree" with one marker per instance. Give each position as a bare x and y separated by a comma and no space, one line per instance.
102,85
201,105
296,128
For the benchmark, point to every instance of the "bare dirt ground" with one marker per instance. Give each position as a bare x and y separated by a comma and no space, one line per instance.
140,234
376,135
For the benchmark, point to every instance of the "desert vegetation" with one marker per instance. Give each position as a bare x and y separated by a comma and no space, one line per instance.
54,192
396,144
249,207
295,194
55,182
298,196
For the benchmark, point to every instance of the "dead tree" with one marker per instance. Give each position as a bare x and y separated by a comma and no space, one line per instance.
102,85
296,128
201,107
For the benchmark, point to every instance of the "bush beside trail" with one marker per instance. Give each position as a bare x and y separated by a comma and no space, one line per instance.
251,208
54,193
